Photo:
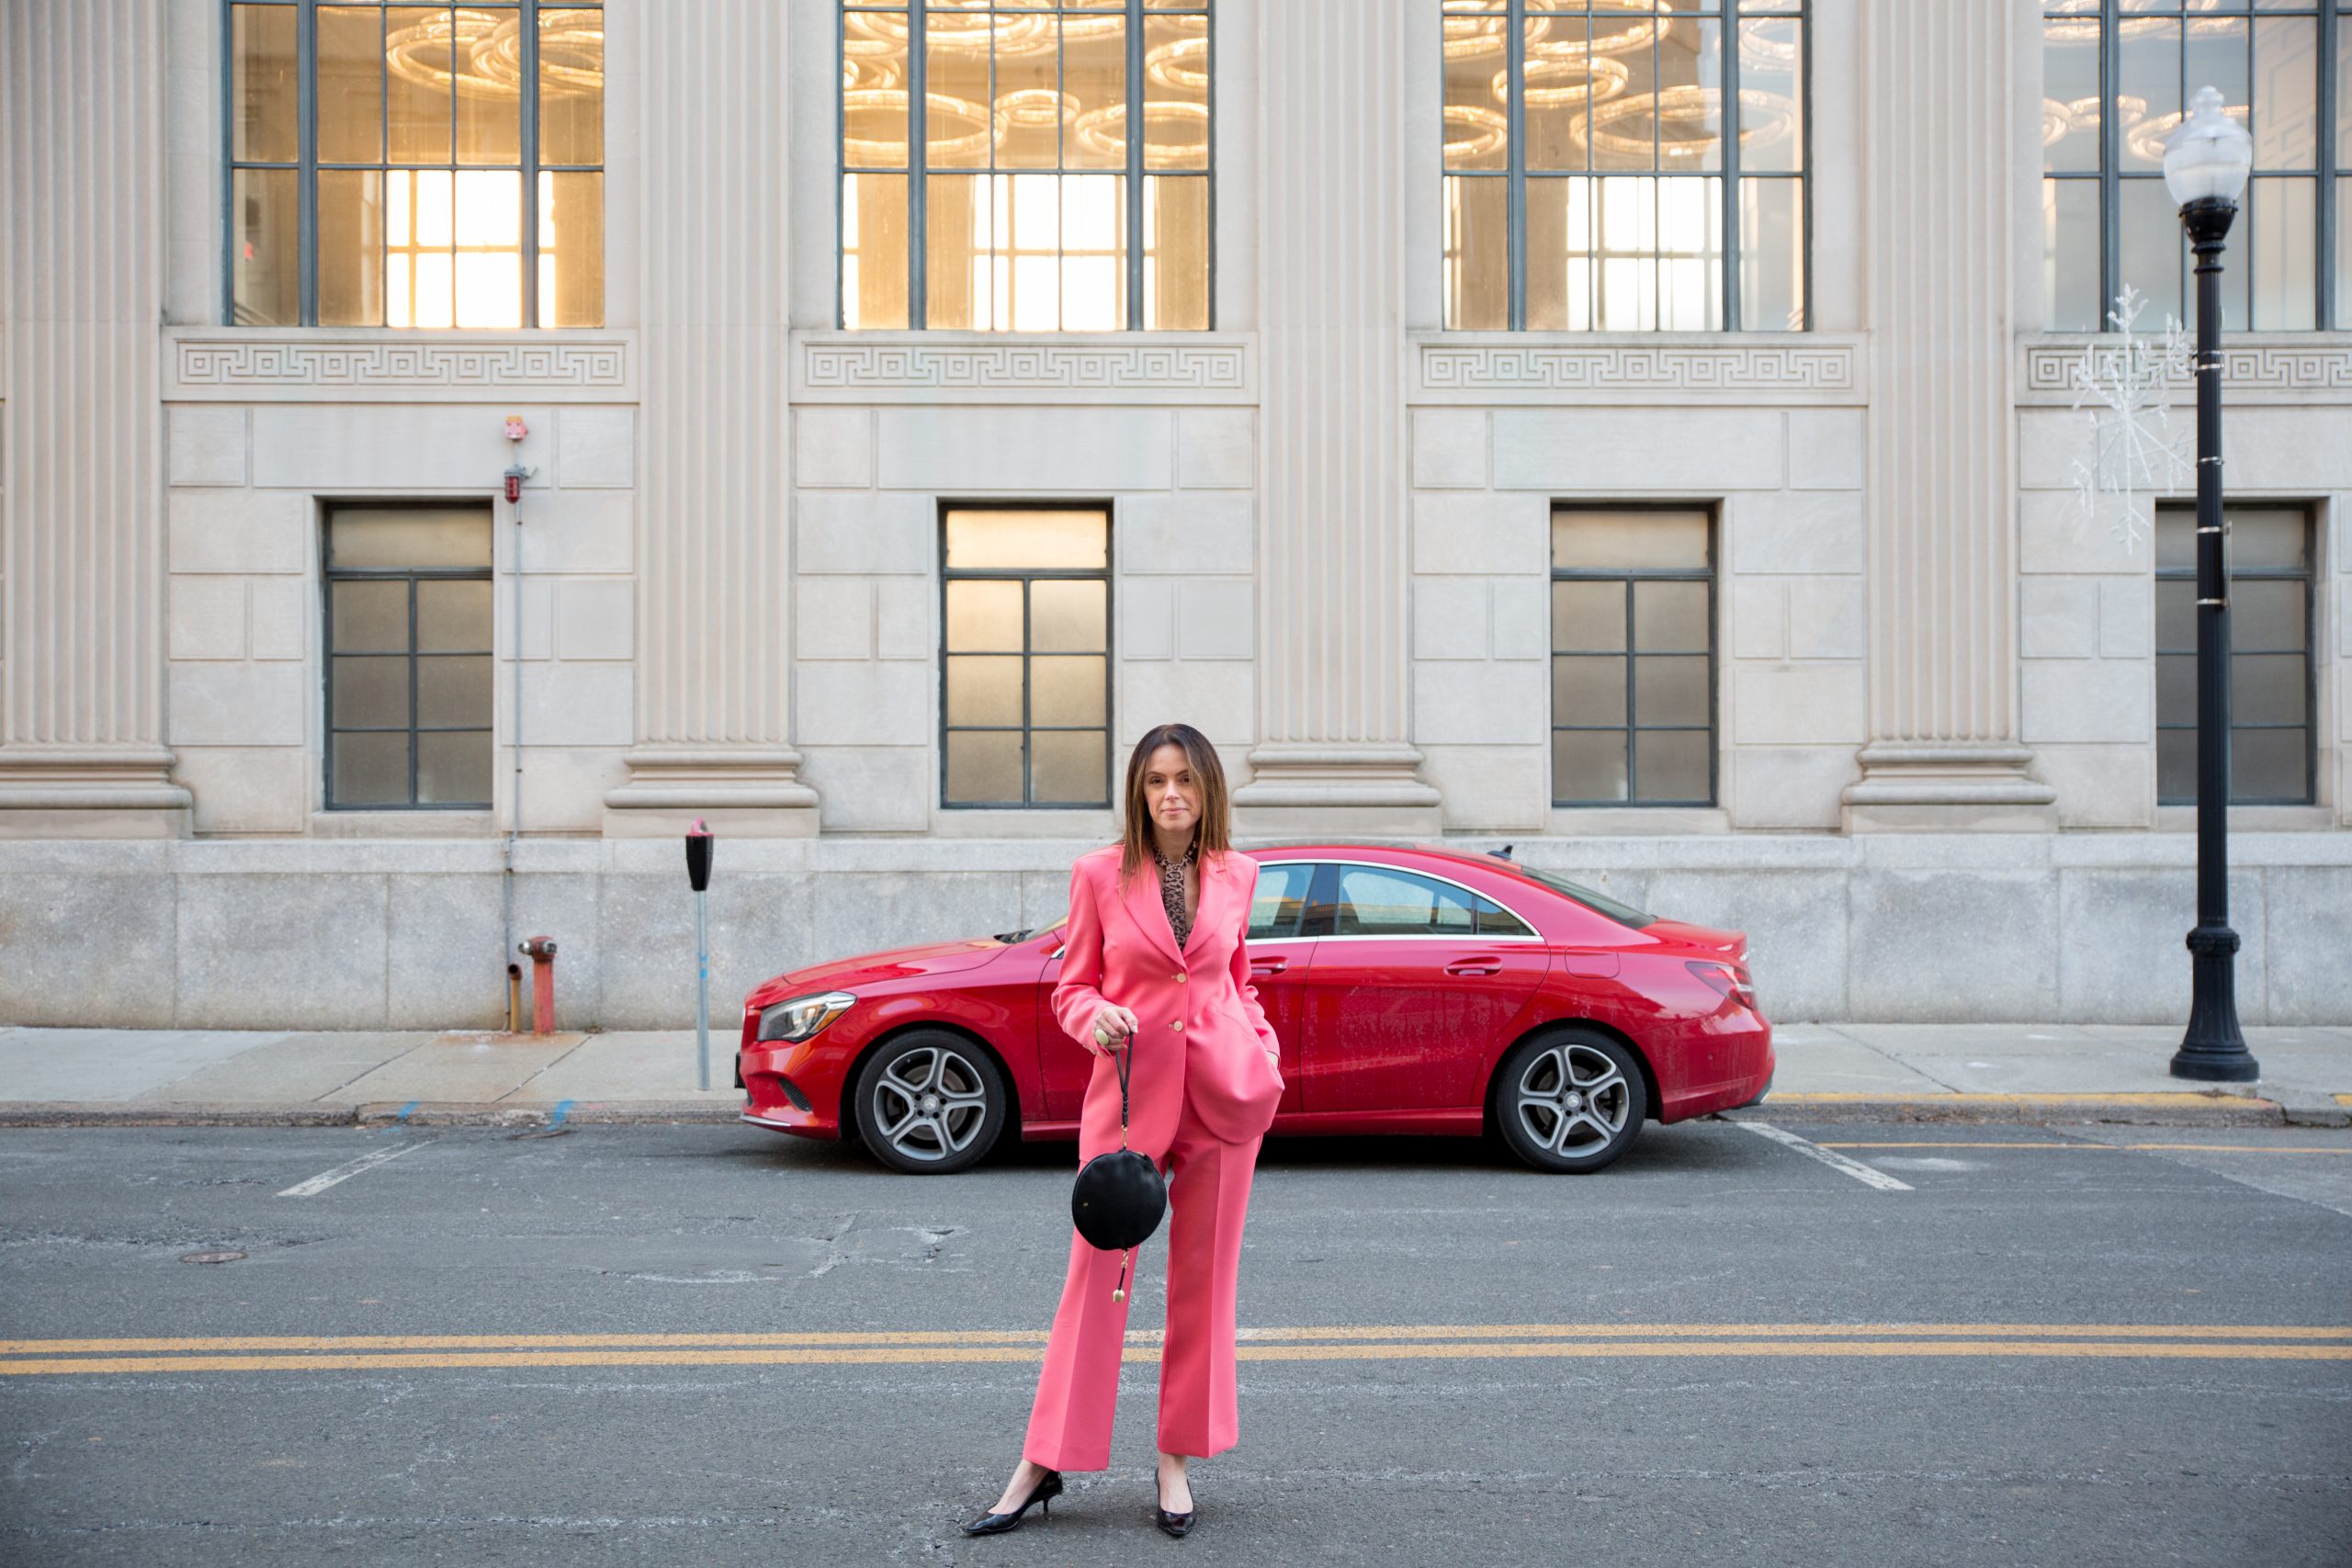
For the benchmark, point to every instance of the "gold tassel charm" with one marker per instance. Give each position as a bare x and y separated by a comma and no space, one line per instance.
1120,1294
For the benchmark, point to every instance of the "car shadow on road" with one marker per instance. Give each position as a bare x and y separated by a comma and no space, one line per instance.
1701,1148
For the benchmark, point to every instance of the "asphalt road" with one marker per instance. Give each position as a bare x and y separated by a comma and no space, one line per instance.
2044,1346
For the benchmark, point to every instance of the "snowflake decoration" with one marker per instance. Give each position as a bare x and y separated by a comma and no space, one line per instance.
2139,450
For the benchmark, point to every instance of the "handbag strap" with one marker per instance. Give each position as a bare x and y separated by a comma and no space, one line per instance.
1120,1061
1126,1258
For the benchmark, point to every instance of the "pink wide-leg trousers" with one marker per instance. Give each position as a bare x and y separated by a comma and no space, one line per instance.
1208,1195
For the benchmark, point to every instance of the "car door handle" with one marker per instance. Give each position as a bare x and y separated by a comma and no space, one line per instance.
1482,964
1268,966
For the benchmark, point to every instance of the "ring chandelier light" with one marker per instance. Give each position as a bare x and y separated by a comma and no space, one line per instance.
874,98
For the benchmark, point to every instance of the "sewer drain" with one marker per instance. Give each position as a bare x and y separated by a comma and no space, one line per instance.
210,1257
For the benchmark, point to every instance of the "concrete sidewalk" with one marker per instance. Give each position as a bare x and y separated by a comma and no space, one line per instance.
1850,1071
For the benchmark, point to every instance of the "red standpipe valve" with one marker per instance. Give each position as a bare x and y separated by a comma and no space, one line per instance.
516,472
540,951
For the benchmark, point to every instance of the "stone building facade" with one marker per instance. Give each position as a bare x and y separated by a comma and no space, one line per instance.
1931,746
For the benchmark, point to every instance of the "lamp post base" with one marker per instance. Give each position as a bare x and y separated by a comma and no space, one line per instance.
2214,1051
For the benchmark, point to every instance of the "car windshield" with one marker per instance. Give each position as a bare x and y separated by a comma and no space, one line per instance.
1599,903
1009,938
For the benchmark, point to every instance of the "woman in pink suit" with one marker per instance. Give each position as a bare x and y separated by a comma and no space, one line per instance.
1153,964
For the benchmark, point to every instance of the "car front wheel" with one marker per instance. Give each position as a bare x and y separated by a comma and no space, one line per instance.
929,1102
1569,1100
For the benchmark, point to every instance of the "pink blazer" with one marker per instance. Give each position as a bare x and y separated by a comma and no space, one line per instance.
1201,1034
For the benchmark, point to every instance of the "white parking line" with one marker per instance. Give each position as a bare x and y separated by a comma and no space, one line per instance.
344,1172
1866,1175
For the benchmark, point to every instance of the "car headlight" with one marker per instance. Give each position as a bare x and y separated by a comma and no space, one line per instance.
797,1018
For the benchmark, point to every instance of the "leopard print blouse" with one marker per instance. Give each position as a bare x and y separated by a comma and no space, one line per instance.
1171,890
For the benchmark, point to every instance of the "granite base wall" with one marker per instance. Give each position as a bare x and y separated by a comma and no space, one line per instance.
314,934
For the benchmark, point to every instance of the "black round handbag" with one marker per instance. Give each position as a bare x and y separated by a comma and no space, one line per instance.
1119,1196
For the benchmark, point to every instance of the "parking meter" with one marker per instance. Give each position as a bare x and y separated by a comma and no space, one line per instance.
699,840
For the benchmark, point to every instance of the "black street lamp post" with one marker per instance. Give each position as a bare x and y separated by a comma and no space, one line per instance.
2206,162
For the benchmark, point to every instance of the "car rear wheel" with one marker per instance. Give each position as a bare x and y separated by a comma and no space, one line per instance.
1569,1100
929,1102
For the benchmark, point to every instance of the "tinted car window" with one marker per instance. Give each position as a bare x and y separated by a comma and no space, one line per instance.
1281,900
1378,902
1599,903
1496,921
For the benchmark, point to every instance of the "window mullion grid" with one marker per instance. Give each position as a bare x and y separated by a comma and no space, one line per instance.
1028,786
1804,179
2183,284
2331,21
412,686
2110,193
306,119
1729,43
1208,319
2309,575
1631,725
917,160
1633,715
527,150
1515,166
841,172
1135,132
327,632
384,183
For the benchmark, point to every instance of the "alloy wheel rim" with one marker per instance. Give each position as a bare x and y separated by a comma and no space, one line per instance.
1573,1100
929,1104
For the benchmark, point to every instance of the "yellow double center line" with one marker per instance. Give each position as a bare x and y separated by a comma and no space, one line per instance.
271,1353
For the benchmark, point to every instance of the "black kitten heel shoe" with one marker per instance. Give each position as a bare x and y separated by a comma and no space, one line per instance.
1042,1494
1172,1523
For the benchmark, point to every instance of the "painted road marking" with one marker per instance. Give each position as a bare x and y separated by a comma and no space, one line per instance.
1506,1341
344,1172
2190,1148
1853,1168
2156,1100
1405,1331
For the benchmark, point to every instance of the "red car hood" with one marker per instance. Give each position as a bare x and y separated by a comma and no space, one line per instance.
1731,945
899,963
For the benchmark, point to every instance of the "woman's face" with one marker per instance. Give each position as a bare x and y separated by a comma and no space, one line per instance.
1170,789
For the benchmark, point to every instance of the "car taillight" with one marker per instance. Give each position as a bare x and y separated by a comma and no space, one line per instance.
1727,980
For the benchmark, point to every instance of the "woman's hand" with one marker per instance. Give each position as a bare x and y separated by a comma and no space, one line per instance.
1112,1025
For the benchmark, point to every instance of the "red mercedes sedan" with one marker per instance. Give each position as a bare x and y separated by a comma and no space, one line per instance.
1425,989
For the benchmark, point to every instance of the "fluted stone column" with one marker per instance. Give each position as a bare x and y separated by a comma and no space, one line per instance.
1940,149
1333,753
81,751
712,699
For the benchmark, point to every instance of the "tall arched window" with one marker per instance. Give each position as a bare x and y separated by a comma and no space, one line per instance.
1026,204
1591,183
398,166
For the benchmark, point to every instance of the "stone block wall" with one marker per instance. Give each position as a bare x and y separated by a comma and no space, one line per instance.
1784,486
870,484
1931,929
251,486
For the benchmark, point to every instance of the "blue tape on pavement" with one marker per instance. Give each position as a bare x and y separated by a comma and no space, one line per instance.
406,1110
555,1117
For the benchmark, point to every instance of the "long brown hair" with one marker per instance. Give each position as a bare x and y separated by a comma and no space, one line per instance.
1212,833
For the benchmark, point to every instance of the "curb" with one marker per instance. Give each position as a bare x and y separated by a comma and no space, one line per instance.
381,1113
2215,1108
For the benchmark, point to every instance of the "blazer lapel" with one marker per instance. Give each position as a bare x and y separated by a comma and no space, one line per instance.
1211,906
1144,911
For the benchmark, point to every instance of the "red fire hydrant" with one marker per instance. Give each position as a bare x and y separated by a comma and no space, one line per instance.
540,951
